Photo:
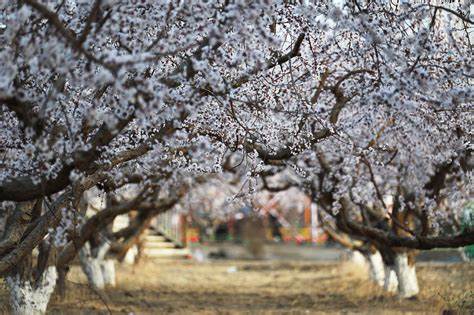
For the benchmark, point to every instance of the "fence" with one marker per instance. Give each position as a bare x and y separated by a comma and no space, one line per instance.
172,225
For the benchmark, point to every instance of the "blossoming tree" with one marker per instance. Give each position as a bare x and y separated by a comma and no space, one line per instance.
110,92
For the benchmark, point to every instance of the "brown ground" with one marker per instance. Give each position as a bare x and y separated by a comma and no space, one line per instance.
186,287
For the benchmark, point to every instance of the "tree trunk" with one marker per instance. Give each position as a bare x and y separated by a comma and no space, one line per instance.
130,256
93,264
357,258
390,281
91,268
108,272
377,272
27,299
61,282
406,274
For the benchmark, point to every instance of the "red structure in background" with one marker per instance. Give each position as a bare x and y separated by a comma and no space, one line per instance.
305,230
284,217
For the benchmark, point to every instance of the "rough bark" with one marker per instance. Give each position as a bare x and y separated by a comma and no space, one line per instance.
16,225
33,236
29,299
417,242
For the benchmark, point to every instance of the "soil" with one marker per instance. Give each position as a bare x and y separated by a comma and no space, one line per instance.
256,287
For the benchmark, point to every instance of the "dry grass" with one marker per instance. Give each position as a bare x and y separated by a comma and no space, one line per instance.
229,287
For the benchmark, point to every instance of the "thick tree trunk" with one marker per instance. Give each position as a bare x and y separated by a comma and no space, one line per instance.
406,274
390,281
98,270
377,272
27,299
108,272
91,268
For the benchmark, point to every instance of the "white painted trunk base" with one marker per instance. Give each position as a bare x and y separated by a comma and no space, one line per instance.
463,255
99,272
377,272
108,272
357,258
390,281
131,255
406,274
27,300
92,269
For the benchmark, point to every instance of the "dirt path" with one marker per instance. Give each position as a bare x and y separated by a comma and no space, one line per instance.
186,287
